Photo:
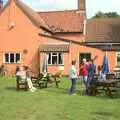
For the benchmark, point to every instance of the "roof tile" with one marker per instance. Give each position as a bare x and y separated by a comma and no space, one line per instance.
64,21
103,30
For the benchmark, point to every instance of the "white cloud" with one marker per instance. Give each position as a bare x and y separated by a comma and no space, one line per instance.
45,5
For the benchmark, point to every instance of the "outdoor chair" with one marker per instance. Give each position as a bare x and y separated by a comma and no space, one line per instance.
57,76
21,84
52,78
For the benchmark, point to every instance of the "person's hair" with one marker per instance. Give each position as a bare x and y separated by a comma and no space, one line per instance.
2,66
17,69
73,62
84,60
91,60
26,67
99,67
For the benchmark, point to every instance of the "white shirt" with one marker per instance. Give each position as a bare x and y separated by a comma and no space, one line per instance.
73,72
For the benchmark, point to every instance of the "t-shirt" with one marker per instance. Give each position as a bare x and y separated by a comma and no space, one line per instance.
84,69
73,72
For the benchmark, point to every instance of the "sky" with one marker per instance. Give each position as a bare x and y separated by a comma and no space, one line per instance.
93,6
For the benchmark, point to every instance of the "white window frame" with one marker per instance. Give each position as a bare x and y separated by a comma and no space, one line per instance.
51,53
9,58
116,58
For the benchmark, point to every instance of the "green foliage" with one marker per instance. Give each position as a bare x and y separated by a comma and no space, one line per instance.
106,15
54,104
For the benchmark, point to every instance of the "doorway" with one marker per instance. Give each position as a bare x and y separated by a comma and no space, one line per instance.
87,56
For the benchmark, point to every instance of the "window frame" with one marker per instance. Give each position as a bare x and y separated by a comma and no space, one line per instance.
15,53
51,54
117,53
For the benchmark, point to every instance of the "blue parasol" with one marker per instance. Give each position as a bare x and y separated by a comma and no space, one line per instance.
105,67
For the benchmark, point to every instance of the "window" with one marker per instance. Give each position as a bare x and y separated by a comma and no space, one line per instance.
12,58
55,59
118,59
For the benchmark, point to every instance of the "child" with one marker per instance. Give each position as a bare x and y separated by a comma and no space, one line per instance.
99,69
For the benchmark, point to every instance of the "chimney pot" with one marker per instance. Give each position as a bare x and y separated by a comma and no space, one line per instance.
1,4
82,5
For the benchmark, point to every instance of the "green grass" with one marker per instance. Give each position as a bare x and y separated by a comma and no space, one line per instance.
54,104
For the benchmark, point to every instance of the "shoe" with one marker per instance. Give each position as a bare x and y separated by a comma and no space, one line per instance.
31,90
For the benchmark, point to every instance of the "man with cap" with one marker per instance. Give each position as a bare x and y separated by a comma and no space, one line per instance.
84,71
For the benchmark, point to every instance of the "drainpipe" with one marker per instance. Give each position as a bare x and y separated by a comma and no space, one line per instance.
84,27
70,54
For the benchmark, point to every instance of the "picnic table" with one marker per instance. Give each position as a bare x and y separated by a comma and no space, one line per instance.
107,85
110,85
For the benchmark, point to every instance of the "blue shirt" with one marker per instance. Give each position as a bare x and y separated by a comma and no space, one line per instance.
91,70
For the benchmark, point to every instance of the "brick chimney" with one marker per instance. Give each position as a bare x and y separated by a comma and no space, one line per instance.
1,4
82,5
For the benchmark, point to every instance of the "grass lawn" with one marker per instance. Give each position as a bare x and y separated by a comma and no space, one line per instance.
54,104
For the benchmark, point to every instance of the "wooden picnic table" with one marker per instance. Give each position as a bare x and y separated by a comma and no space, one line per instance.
107,85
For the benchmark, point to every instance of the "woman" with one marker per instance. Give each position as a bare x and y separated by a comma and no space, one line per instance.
24,74
73,77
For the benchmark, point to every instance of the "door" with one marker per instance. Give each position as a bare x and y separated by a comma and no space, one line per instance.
87,56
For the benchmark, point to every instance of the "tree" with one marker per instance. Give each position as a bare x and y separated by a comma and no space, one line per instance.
106,15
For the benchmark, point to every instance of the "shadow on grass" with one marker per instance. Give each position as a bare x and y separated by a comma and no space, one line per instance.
57,90
104,114
60,90
102,95
12,88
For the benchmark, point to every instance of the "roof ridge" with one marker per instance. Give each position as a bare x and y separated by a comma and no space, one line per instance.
4,7
75,10
101,19
33,16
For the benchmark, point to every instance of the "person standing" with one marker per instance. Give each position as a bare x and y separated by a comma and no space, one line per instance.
90,79
84,71
73,77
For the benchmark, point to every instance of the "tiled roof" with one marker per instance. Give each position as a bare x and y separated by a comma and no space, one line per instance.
64,21
103,30
4,7
54,48
30,13
54,22
33,16
108,47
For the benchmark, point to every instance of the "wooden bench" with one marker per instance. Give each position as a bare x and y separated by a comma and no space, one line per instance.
38,81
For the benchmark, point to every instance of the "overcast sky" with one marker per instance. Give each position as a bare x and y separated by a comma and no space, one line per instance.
93,6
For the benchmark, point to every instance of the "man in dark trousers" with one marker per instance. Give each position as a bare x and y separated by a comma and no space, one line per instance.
90,80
